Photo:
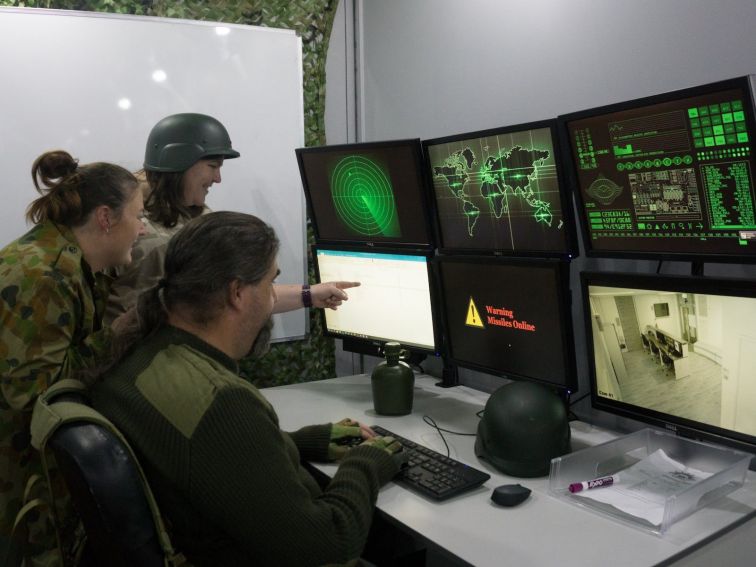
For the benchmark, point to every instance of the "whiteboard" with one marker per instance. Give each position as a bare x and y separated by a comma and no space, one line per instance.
95,84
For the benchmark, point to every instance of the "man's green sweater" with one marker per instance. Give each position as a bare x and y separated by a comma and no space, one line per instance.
226,477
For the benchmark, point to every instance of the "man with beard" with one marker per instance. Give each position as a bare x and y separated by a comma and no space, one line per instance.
226,477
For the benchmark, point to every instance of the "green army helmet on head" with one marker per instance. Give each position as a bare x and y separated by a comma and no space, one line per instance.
178,141
524,426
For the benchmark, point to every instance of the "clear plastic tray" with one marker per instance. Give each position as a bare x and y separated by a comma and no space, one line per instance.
728,468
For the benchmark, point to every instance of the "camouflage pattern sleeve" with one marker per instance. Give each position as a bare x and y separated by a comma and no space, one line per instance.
42,338
50,310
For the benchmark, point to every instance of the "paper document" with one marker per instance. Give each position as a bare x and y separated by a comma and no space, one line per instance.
642,489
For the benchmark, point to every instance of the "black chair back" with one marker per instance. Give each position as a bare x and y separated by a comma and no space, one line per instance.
108,495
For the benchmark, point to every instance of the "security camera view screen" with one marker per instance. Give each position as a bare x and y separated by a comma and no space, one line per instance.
682,354
675,177
500,191
392,303
367,192
507,318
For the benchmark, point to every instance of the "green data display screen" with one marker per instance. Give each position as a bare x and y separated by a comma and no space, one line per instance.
673,175
369,193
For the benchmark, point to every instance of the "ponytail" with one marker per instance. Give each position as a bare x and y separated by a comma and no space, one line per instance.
58,200
52,165
146,317
71,192
150,315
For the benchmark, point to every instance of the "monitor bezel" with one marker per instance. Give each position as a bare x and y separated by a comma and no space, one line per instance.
415,147
561,269
747,83
375,344
565,198
687,284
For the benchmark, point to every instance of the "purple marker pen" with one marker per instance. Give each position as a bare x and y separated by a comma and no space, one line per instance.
595,483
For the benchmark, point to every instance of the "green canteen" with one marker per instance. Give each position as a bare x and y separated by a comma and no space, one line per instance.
393,383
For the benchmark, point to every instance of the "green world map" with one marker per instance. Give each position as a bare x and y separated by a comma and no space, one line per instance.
511,170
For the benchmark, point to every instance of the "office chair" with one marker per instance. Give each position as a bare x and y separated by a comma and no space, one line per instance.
107,486
669,364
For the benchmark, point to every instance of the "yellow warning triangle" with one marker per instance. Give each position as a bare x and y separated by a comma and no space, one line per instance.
473,317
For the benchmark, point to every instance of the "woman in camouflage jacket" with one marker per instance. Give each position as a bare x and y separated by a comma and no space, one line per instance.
52,297
183,159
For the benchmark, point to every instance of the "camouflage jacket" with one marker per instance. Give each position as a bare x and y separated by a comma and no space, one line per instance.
144,271
51,307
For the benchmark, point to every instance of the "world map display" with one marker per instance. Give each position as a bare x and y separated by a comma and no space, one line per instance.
509,171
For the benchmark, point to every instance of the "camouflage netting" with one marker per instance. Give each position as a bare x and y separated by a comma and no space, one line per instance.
296,361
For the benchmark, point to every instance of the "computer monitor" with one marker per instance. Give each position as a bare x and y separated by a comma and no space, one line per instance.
367,194
668,177
394,301
501,191
509,318
688,367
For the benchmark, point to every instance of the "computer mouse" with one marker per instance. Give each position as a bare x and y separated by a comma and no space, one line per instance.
510,494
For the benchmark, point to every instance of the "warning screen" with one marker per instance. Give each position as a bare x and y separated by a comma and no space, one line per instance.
508,317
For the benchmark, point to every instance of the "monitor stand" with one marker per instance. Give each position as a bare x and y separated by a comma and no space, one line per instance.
449,375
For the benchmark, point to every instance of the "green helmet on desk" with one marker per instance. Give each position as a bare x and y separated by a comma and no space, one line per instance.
523,427
178,141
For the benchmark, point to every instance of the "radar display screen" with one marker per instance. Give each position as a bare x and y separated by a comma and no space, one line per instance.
669,176
501,191
370,193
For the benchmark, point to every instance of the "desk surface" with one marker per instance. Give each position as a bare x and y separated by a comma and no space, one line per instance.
544,530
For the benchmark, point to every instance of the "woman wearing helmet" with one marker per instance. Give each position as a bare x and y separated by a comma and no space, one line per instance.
183,159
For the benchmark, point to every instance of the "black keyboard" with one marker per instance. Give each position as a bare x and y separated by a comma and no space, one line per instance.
432,474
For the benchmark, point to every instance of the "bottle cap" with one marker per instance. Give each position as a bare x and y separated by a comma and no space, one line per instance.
392,349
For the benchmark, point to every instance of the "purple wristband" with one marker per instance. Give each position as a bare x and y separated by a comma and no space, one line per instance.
306,295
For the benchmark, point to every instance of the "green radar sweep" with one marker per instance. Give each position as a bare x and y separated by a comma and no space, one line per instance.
364,198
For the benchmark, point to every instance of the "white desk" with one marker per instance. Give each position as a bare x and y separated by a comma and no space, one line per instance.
542,531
